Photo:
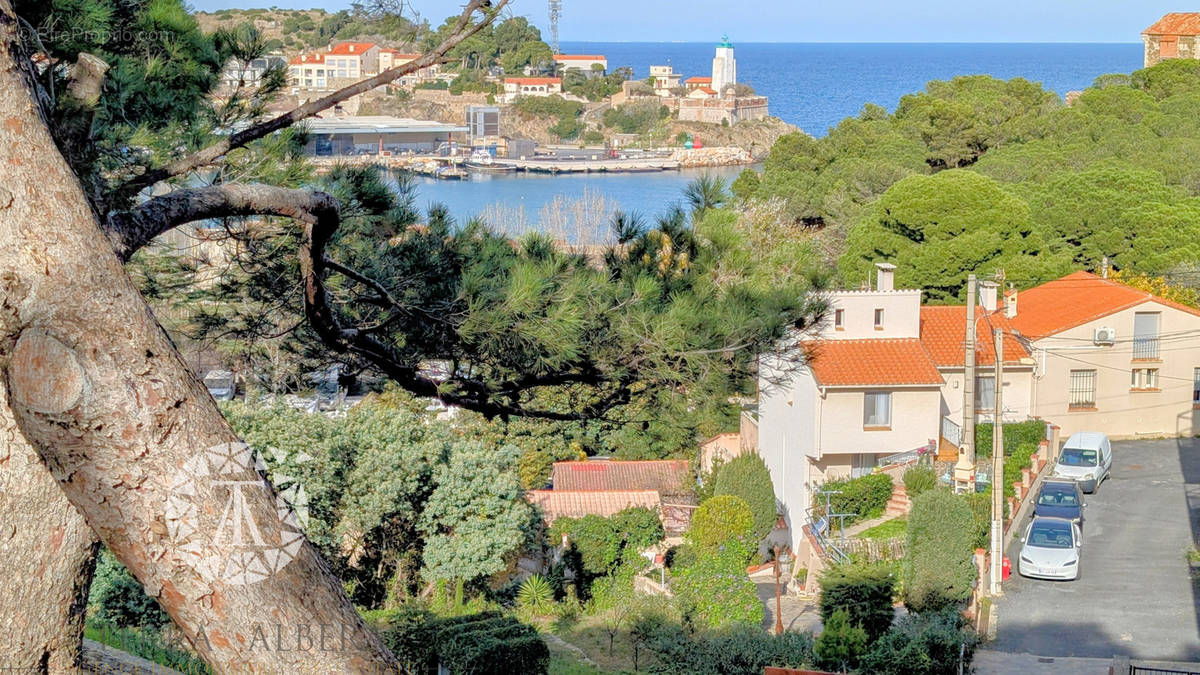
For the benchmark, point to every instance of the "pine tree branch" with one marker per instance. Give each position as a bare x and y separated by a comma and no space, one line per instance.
464,28
321,216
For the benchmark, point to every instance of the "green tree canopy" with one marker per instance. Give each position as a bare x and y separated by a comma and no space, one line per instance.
938,568
747,477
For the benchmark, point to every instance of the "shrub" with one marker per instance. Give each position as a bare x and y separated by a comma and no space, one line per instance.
720,521
741,650
716,593
747,476
536,594
865,496
602,541
981,511
487,642
841,645
864,591
119,600
938,570
923,644
1016,434
918,479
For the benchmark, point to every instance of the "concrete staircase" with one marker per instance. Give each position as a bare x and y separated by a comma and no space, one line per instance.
899,504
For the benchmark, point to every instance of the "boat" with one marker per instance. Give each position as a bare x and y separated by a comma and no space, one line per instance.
481,161
450,173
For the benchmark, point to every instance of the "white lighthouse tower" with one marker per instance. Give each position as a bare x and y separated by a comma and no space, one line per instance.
724,72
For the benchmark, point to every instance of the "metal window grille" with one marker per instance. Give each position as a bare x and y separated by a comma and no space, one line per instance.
1083,389
1196,385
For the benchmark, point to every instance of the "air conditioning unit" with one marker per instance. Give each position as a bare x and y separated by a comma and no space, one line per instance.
1104,335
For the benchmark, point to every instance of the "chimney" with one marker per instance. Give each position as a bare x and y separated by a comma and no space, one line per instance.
352,49
987,295
1010,303
886,277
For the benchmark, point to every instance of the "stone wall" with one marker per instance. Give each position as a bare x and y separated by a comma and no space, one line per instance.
711,156
723,110
1188,48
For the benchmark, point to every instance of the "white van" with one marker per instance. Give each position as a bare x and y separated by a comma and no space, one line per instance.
1086,458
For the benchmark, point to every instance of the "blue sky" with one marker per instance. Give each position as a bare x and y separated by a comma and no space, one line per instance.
817,20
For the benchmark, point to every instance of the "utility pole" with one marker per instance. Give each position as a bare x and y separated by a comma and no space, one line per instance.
998,466
779,595
968,426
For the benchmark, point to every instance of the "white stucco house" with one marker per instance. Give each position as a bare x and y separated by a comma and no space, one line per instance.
884,375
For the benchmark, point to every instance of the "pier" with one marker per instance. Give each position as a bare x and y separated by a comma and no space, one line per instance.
591,165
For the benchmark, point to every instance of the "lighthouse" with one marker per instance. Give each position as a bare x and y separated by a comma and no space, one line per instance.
724,70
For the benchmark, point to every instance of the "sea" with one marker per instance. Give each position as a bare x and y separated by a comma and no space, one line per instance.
813,86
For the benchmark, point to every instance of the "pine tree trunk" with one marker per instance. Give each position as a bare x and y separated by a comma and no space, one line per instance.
133,438
47,556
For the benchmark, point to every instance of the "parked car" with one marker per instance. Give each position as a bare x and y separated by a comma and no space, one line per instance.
1086,458
1060,499
1051,549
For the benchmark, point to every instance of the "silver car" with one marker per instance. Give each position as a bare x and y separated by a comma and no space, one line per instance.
1051,549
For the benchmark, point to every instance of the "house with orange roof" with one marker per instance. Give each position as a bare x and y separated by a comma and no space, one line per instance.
531,86
885,375
588,64
307,71
352,61
1174,36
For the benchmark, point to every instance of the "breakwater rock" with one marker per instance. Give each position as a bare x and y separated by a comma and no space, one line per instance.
714,156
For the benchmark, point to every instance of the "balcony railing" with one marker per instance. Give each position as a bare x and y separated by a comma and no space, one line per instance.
952,432
1145,348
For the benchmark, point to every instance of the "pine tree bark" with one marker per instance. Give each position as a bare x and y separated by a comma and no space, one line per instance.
134,440
47,556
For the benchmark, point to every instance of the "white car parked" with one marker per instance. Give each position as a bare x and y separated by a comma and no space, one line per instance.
1051,549
1086,458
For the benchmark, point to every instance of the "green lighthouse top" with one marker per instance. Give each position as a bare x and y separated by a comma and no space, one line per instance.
725,42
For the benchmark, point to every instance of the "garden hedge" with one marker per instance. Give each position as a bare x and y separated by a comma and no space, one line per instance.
866,496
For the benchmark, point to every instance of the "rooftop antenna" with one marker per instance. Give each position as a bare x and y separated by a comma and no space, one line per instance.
555,15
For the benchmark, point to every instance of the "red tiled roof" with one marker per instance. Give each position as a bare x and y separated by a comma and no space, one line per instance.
533,80
878,362
707,90
1076,299
1176,23
668,476
578,503
944,330
305,59
351,48
698,79
579,57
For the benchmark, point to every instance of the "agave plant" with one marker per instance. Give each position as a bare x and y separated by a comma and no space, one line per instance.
536,595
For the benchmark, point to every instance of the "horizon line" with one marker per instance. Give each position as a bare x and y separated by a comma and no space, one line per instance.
858,42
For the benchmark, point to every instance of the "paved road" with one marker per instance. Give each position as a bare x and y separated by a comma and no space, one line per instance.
1136,596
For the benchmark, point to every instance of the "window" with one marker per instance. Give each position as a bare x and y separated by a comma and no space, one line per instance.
839,319
985,394
1143,378
1083,389
1145,335
877,409
1196,386
878,319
